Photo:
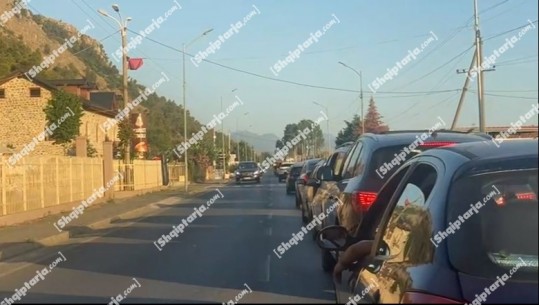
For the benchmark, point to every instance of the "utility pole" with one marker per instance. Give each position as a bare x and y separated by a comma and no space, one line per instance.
361,99
186,162
479,60
123,30
223,141
477,66
463,93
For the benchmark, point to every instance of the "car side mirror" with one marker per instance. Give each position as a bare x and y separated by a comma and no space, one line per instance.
324,173
332,238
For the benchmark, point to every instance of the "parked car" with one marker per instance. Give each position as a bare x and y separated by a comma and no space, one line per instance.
292,177
327,188
282,170
370,162
301,187
247,170
419,253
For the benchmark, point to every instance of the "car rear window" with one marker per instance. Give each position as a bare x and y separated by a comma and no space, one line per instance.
295,170
499,232
312,165
385,161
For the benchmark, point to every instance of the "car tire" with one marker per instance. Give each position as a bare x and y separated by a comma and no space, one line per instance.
304,218
328,262
298,202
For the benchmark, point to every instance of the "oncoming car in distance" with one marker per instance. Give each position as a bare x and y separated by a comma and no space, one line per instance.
248,170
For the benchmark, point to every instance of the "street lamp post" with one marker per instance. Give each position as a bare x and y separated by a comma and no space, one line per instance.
237,131
123,30
223,138
360,93
327,123
184,47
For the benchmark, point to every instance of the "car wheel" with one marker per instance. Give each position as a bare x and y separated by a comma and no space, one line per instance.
304,218
328,262
298,201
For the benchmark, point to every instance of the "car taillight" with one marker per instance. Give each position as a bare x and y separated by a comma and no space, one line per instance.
526,196
364,200
437,144
303,177
424,298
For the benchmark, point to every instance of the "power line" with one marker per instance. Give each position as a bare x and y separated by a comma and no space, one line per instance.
508,31
439,67
281,80
508,96
100,40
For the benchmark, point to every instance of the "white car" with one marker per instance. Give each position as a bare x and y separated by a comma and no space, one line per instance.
283,170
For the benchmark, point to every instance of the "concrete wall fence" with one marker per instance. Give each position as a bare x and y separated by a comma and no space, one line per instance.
42,182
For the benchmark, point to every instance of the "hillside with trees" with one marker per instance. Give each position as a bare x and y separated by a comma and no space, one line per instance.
28,37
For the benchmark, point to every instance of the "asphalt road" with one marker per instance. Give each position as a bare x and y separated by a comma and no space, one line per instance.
224,254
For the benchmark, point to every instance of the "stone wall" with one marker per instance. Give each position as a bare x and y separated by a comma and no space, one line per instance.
22,118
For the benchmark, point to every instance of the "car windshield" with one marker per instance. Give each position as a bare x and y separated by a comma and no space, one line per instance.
499,230
253,166
286,165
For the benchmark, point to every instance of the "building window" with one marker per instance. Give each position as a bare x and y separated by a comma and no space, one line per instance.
2,93
35,92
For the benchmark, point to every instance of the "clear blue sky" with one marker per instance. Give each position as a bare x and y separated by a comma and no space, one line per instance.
371,37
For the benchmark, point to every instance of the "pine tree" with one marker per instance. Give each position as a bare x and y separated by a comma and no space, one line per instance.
351,132
373,119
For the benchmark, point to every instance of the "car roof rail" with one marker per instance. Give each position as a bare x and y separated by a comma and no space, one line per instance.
346,144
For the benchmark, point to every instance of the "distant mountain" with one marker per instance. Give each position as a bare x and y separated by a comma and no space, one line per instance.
262,143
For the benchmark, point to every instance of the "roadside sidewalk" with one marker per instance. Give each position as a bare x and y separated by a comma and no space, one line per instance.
25,237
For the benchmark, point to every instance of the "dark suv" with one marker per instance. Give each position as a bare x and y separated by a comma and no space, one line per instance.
372,160
248,170
295,171
448,226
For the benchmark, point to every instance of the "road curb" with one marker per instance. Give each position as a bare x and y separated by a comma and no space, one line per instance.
22,248
56,239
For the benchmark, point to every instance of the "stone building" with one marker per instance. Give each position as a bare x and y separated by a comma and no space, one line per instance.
22,118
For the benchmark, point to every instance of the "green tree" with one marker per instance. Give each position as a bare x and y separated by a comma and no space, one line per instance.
125,133
373,119
63,113
91,152
350,132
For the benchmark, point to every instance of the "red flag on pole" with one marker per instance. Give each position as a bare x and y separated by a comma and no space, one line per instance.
135,63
